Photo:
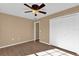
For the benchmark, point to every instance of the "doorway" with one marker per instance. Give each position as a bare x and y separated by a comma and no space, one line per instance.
36,31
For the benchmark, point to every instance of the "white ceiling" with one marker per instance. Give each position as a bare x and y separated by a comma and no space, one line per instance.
18,9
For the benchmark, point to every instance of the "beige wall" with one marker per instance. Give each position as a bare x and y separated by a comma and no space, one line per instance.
44,22
15,29
44,29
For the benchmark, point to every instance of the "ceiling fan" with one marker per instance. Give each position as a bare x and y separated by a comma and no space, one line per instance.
35,9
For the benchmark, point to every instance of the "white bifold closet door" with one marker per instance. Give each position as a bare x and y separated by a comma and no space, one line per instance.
64,32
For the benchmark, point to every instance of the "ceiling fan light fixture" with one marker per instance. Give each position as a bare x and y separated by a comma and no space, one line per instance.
34,11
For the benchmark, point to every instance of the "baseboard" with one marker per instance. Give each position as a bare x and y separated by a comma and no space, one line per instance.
68,51
45,42
73,53
15,44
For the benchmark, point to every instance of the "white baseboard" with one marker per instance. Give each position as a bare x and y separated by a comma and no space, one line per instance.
45,42
15,44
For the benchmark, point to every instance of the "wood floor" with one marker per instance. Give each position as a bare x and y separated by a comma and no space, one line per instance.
29,48
24,49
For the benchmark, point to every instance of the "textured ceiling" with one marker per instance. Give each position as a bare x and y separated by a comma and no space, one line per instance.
18,9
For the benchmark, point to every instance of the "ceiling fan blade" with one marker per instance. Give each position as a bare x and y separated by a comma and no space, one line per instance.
41,6
28,6
42,12
27,11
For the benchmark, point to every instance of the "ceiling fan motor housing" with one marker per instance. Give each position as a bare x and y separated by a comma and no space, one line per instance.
35,6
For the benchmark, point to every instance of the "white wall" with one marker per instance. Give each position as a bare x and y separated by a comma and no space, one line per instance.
64,32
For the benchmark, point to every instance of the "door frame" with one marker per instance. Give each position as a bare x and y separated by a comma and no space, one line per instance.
35,29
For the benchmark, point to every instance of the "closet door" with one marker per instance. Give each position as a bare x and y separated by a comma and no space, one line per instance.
64,32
